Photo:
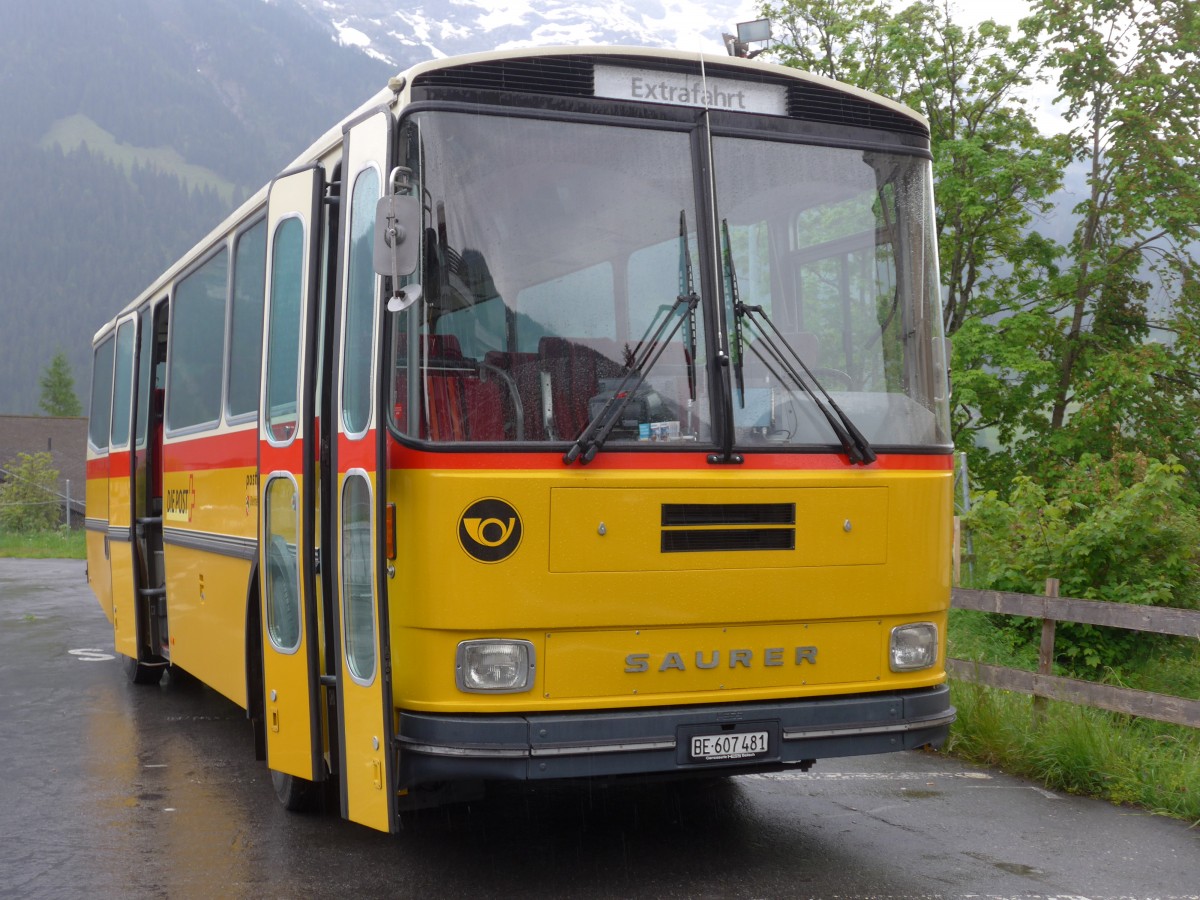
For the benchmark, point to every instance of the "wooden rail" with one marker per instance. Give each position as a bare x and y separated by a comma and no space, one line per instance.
1043,685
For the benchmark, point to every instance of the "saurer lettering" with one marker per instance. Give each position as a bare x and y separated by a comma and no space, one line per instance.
712,659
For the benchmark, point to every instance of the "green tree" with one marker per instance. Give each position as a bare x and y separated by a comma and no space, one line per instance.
846,40
1128,76
58,388
1059,350
993,169
29,499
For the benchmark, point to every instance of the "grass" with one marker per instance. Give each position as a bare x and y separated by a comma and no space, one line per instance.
58,544
1073,748
76,130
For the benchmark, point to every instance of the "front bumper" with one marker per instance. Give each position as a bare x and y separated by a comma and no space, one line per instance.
435,748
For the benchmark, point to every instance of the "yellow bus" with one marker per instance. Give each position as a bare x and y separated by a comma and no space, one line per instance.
565,413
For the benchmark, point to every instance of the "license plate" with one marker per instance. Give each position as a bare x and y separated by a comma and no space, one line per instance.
742,745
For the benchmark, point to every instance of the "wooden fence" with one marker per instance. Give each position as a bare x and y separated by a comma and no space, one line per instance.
1042,685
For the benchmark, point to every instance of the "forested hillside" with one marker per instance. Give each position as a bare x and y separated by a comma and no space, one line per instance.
202,101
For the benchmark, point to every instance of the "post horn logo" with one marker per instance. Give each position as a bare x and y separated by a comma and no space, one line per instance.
489,530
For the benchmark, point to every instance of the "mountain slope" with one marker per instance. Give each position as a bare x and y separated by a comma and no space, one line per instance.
133,127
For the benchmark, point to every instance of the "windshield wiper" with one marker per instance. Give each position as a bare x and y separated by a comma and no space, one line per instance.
687,289
588,444
646,355
855,445
731,291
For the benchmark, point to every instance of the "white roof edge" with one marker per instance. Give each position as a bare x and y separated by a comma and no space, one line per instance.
331,138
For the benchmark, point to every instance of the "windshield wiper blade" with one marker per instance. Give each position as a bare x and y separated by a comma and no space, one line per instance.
687,289
853,441
589,443
731,291
646,354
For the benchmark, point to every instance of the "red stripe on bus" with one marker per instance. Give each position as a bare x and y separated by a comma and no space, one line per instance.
218,451
239,450
402,457
281,459
115,463
358,454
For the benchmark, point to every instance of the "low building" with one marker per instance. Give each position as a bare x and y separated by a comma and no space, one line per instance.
63,437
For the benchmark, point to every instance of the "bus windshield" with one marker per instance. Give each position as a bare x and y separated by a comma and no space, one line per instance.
558,257
550,254
831,254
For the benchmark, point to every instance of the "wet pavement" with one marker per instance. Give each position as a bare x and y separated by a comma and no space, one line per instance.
115,790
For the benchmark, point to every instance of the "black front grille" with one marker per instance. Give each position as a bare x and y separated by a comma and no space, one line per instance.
711,540
716,527
568,76
682,514
818,103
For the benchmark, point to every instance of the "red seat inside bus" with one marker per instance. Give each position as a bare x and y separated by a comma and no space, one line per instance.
523,369
575,367
459,401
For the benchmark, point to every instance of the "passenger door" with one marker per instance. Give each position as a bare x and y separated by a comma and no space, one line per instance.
365,715
120,493
287,543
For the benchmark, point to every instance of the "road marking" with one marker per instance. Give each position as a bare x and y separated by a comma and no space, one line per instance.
1049,795
90,654
865,776
928,777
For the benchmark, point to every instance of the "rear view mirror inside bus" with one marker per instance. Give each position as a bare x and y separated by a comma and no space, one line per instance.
397,235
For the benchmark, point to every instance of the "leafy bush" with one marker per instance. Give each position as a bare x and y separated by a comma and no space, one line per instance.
1123,530
28,495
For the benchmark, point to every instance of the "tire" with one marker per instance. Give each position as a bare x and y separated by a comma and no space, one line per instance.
143,673
296,794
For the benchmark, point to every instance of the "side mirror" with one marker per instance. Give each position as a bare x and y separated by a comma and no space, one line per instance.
397,235
948,349
398,238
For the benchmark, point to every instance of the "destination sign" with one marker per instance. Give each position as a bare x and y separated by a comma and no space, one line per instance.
688,89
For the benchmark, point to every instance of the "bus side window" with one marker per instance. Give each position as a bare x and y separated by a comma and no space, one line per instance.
197,345
123,385
245,322
100,410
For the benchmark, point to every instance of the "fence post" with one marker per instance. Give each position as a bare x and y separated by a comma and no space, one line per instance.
964,483
956,552
68,504
1045,653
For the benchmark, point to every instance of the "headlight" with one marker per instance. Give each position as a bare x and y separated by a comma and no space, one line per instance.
495,666
914,646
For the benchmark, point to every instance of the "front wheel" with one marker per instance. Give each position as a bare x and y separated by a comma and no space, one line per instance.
296,794
143,673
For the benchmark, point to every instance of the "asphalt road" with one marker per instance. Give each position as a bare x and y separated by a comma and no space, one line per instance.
114,790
